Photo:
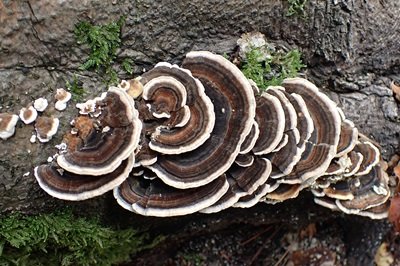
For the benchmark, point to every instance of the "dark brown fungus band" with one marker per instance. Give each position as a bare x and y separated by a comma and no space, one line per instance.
117,135
370,154
321,148
69,186
250,200
372,191
234,103
270,118
230,197
154,198
348,138
305,124
244,160
251,139
288,156
242,181
364,195
173,94
356,160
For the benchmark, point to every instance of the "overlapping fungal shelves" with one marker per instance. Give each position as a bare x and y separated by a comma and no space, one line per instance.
203,138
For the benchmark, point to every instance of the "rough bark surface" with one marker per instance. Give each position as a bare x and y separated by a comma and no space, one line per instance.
351,49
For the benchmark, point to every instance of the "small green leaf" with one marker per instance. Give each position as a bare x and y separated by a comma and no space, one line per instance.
127,65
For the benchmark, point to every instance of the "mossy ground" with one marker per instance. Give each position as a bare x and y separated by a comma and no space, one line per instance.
273,70
61,238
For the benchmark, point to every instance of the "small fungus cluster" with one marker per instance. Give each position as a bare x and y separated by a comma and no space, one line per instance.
203,138
45,127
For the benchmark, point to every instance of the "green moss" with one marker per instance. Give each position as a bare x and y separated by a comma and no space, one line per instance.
296,7
76,89
127,65
103,42
272,70
191,259
63,239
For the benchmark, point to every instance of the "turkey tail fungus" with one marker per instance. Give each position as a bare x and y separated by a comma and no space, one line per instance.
203,138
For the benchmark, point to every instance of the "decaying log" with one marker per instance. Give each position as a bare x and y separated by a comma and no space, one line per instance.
351,49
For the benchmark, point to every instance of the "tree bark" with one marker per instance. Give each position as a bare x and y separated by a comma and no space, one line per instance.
351,49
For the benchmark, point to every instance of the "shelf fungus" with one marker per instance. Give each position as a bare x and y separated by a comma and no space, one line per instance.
7,125
62,97
28,115
201,137
46,128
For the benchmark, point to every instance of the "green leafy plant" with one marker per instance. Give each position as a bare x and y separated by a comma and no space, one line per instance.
75,88
296,7
63,239
103,42
272,70
127,65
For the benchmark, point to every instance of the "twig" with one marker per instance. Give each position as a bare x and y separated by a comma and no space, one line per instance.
281,259
255,236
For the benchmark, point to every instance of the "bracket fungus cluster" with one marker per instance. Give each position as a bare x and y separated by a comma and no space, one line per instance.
203,138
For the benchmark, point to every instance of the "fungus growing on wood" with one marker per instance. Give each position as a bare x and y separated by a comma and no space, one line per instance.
65,185
109,139
62,97
46,128
321,148
28,115
231,92
7,125
40,104
155,198
201,137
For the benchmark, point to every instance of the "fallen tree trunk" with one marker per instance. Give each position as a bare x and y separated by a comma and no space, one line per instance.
351,50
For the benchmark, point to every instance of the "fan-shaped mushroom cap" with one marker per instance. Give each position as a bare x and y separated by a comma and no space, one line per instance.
154,198
348,138
286,157
62,97
7,125
250,178
231,92
231,196
370,154
283,192
242,181
288,109
248,201
69,186
358,194
356,159
46,128
135,88
344,166
244,160
40,104
373,191
377,212
28,115
102,150
322,146
305,124
270,118
251,139
172,93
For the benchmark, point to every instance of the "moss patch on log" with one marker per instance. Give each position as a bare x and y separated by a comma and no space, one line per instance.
61,238
272,70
